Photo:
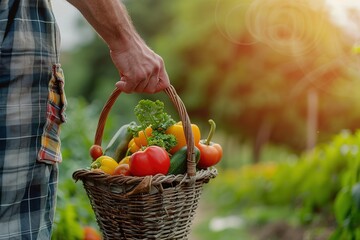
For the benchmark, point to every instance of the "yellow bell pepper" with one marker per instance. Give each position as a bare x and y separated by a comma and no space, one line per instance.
106,164
178,131
125,160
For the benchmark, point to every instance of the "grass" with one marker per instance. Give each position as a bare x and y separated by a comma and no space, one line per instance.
213,223
218,215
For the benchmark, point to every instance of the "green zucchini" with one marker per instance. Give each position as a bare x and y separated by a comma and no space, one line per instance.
178,161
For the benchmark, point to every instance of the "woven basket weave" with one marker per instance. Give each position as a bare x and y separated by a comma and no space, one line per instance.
151,207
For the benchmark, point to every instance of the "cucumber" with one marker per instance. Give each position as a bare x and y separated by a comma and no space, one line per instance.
178,161
118,145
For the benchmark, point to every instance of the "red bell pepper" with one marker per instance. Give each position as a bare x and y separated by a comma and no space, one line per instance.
151,161
210,153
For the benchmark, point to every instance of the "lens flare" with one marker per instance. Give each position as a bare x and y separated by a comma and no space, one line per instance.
289,27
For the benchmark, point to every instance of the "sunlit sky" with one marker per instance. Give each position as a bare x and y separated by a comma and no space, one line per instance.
67,16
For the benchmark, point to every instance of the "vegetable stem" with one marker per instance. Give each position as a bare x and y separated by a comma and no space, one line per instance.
211,132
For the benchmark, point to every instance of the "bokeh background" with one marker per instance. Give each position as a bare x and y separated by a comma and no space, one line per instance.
280,78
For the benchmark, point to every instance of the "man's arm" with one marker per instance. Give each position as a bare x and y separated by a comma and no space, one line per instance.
141,69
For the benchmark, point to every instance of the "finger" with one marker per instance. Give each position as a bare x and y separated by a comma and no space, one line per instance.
164,81
152,84
141,86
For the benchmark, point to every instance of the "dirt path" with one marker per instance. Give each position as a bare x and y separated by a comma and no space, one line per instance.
202,213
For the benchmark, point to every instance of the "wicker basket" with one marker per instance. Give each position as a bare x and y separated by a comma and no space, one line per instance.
151,207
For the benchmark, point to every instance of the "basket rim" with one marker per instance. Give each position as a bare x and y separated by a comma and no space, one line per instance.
97,176
131,185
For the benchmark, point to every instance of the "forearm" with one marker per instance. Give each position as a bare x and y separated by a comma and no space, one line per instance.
141,69
110,20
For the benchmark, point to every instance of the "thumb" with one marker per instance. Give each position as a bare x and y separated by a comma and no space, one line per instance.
120,84
123,86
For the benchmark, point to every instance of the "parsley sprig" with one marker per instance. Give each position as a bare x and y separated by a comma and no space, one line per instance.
151,113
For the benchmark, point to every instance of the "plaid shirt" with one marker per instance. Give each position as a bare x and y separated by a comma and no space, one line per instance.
32,106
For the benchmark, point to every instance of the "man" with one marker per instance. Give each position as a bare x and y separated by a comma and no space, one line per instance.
32,101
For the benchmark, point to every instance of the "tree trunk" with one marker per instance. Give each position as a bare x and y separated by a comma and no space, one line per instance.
312,119
262,137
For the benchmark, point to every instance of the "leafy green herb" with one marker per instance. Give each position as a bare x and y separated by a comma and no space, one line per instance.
160,139
151,113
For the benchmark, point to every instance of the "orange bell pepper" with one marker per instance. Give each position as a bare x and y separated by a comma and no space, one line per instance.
141,139
132,147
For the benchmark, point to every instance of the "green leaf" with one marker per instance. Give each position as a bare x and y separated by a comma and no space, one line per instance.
336,235
357,233
343,203
68,227
355,193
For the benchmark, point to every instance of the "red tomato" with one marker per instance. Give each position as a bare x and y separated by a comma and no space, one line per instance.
151,161
96,151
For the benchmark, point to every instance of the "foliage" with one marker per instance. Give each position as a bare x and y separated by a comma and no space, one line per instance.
150,17
73,207
240,65
254,83
312,186
347,205
227,68
68,227
89,71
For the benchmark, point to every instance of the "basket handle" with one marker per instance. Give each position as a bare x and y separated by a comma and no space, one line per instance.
180,107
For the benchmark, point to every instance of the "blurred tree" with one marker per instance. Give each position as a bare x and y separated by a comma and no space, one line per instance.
151,17
257,68
251,65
